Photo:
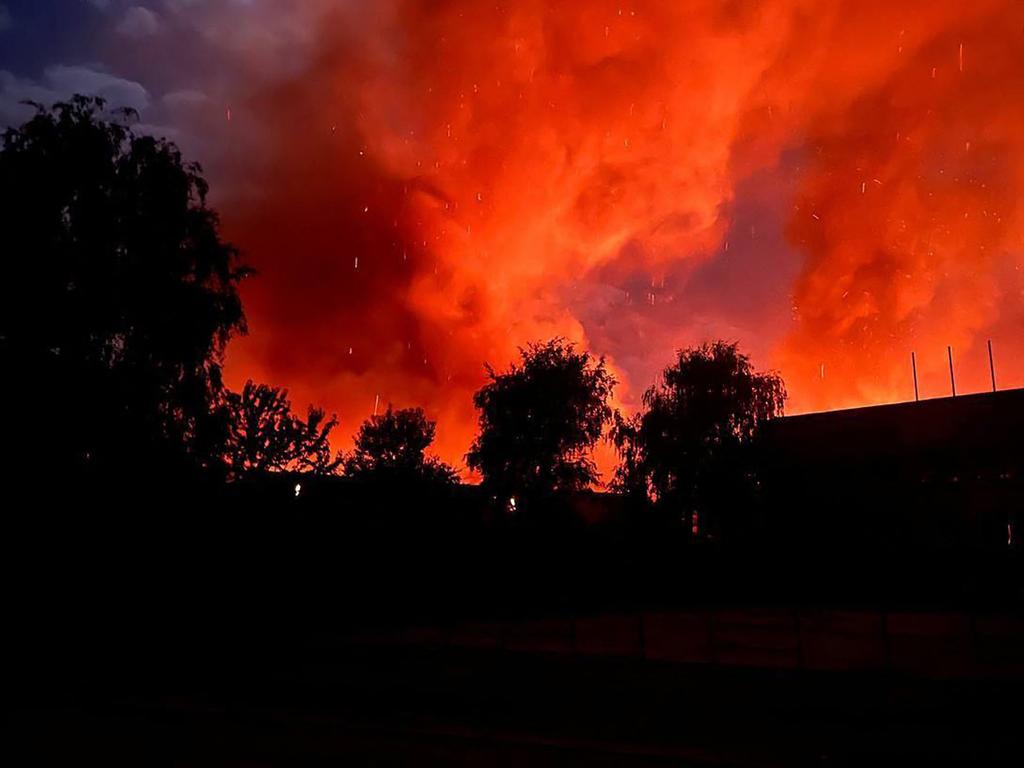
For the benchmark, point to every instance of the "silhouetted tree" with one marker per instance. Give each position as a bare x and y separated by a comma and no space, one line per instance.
118,295
689,448
392,446
540,420
265,436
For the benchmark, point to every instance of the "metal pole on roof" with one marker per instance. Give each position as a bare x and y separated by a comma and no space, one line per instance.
991,365
952,378
913,365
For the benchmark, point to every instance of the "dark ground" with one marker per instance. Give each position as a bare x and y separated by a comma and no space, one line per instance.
392,706
204,640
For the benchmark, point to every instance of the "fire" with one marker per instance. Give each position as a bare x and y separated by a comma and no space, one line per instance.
833,184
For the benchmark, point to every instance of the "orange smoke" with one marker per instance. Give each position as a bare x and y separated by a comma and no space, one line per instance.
908,217
444,181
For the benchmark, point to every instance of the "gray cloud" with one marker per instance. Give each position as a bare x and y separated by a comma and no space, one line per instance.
139,22
186,98
60,82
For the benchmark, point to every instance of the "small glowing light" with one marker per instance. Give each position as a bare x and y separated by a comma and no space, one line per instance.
298,489
512,504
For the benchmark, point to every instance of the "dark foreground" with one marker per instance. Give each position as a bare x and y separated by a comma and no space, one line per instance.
249,640
434,706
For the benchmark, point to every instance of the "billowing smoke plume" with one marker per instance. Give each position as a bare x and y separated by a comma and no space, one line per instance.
432,183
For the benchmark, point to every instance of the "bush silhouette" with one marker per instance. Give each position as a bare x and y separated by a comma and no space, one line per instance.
118,298
540,419
265,436
392,446
689,448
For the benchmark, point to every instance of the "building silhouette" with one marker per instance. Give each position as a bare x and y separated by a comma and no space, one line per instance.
936,474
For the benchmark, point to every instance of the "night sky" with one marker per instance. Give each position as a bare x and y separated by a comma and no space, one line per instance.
425,185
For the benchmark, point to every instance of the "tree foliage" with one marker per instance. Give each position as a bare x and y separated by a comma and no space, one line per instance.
688,447
265,436
540,420
393,445
118,295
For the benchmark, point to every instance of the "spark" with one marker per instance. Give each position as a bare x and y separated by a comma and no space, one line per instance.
298,489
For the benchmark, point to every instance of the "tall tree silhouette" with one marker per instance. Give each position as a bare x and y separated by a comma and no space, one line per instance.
540,420
392,446
118,295
265,436
689,447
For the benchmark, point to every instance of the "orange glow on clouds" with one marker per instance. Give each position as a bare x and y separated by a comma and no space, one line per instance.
440,182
